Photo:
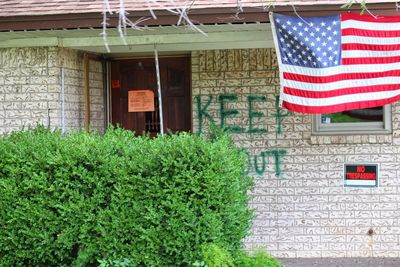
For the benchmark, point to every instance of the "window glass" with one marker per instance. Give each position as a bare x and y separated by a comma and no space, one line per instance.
358,121
355,115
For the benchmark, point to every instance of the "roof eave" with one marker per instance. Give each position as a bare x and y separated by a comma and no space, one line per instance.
198,16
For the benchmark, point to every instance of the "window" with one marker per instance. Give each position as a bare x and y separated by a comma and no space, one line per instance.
358,121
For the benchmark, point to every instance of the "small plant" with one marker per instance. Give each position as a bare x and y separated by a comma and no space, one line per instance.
363,5
215,256
259,259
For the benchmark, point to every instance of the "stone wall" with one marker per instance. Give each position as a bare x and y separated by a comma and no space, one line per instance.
30,89
302,208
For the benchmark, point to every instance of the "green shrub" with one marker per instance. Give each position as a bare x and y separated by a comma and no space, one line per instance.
115,263
215,256
74,199
259,259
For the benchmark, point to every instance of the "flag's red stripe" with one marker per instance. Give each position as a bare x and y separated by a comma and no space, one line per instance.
339,107
370,60
339,77
340,92
372,47
367,18
370,33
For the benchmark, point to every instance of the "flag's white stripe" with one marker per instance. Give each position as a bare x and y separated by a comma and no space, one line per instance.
322,87
339,69
350,39
319,102
365,53
365,25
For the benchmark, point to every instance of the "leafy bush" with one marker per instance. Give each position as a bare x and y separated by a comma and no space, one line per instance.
215,256
74,199
115,263
259,259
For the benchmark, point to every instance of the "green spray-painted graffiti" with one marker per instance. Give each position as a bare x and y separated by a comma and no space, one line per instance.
225,113
280,115
253,114
276,154
203,113
256,163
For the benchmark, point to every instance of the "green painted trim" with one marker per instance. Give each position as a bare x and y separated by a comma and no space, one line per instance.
30,42
178,47
182,38
229,37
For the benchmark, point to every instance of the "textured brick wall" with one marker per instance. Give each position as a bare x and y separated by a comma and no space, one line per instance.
302,208
30,89
72,61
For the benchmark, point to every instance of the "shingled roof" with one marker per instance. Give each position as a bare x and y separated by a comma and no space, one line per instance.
16,15
9,8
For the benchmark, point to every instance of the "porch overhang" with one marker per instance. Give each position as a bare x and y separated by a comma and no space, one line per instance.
226,28
165,38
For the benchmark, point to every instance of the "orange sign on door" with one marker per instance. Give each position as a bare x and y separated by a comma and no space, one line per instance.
140,100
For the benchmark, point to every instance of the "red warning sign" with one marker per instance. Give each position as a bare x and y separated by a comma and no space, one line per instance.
115,84
365,175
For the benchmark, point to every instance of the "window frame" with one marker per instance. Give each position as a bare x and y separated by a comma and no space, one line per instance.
383,127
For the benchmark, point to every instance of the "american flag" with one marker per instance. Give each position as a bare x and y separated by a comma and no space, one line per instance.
336,63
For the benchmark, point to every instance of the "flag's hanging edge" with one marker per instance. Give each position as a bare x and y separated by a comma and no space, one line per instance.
278,55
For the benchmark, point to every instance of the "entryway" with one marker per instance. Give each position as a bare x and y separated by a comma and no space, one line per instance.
140,75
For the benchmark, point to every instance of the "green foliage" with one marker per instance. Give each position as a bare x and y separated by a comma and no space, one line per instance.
215,256
259,259
216,133
83,199
363,5
115,263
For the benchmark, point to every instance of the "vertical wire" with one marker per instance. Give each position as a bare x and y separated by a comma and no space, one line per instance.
160,106
62,101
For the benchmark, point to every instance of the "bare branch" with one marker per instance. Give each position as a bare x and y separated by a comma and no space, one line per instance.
178,9
106,8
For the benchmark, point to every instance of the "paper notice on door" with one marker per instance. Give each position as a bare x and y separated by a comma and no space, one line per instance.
140,100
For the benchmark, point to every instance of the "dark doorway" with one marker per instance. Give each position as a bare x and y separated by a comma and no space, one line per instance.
140,74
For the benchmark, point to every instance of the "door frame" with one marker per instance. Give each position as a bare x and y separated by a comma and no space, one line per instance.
115,74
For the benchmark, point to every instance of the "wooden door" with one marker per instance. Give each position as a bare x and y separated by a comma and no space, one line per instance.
140,74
